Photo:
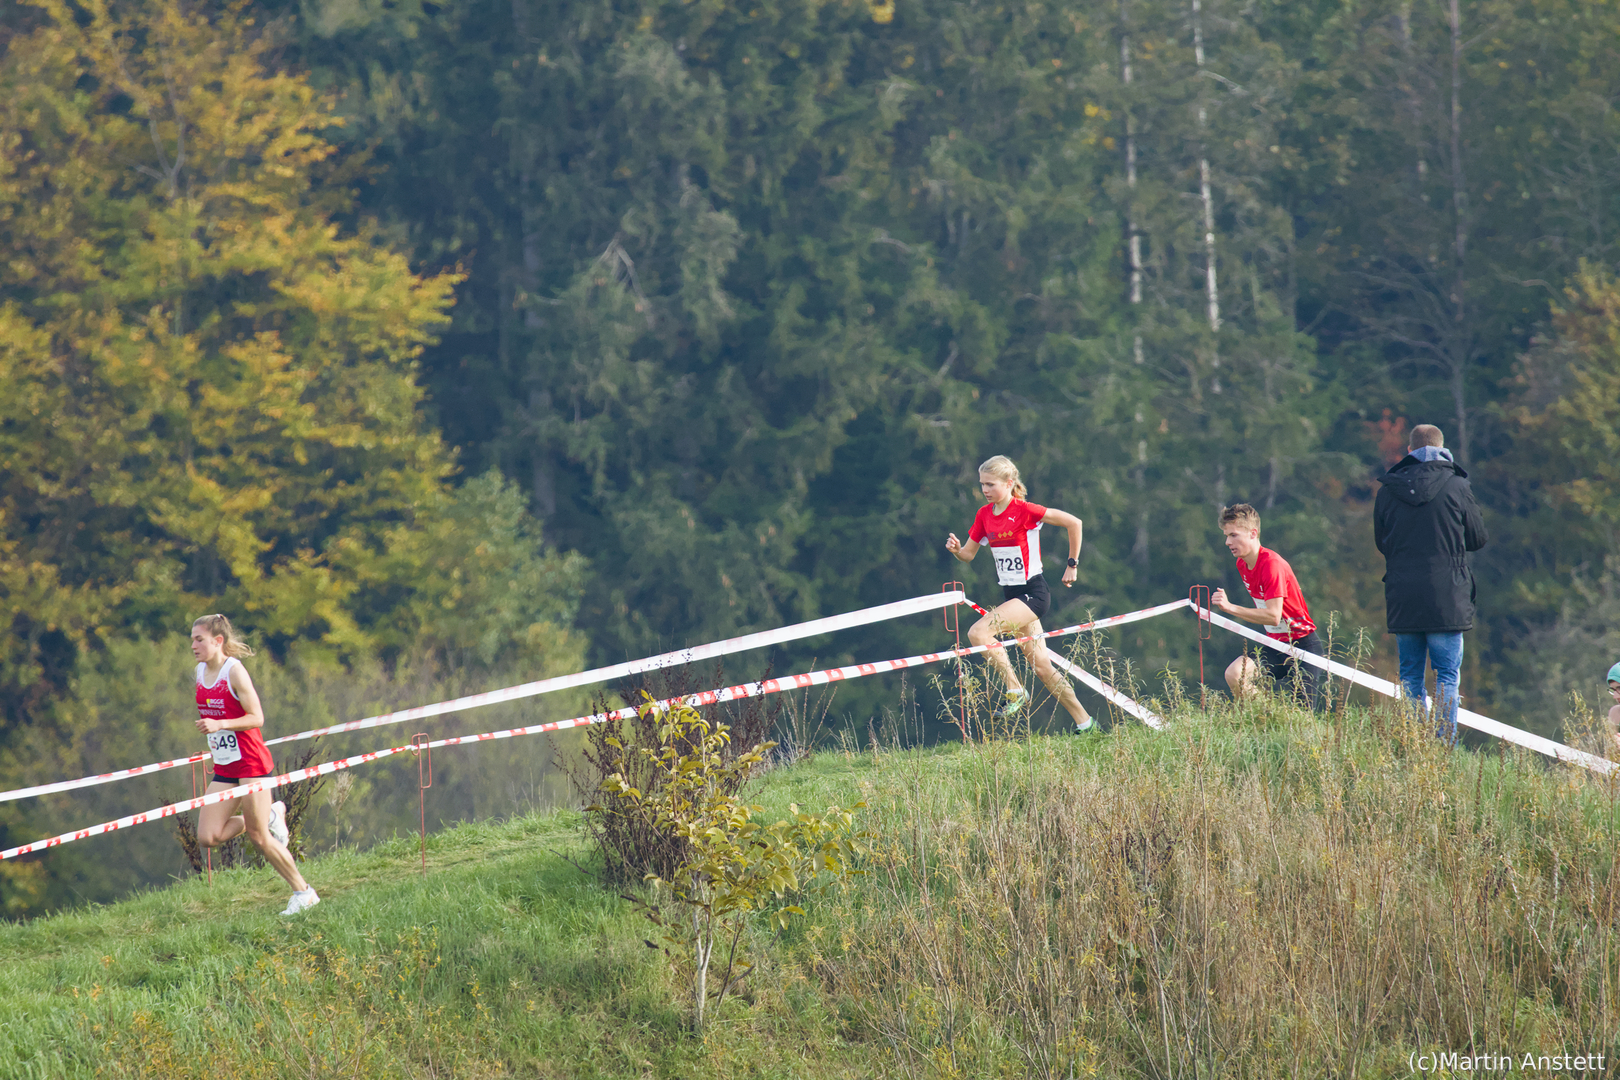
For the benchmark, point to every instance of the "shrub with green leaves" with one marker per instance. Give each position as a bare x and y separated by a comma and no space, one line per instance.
736,866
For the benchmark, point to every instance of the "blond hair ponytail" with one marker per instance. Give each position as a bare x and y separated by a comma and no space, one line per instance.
220,626
1002,468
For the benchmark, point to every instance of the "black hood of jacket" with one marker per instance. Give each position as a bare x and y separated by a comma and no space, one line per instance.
1415,482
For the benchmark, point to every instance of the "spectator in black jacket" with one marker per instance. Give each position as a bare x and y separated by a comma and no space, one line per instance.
1425,521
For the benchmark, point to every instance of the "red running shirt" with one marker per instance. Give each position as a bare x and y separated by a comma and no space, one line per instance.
1273,577
236,753
1015,539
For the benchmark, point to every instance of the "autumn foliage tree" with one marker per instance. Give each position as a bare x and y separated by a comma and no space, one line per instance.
207,386
1562,482
1569,413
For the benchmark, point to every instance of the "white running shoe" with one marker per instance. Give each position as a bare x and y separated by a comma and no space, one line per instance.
278,822
301,901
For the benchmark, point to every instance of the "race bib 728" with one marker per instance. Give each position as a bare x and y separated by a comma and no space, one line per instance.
1282,629
1010,568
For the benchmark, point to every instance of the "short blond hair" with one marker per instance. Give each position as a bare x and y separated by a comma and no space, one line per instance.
1242,515
1002,468
1425,435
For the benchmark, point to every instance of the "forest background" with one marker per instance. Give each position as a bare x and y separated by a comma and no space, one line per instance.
445,344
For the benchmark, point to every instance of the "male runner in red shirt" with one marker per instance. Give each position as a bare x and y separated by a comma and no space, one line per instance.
1279,607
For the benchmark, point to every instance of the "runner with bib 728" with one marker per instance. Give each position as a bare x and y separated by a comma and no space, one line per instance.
1012,528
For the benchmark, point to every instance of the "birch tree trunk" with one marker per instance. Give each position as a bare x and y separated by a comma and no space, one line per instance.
1133,236
1212,293
1139,548
703,936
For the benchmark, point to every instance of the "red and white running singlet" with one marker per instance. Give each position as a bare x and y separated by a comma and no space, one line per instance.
1015,539
1273,577
236,753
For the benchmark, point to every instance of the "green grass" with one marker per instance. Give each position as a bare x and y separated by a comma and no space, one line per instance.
1254,892
503,960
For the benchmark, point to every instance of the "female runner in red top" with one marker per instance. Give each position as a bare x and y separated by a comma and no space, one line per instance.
1012,528
230,715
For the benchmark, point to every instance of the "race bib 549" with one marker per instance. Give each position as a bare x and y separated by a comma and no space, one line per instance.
223,745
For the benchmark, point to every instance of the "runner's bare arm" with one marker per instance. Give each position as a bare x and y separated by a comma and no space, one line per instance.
1075,527
1270,615
963,552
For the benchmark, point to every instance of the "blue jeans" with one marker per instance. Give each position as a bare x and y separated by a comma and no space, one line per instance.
1445,652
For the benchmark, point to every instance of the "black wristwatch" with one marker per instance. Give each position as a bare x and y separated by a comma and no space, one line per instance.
1074,563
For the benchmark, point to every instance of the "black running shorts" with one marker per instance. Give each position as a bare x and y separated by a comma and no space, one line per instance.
238,779
1034,593
1300,680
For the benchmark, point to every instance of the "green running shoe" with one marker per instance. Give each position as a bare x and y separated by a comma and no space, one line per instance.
1016,700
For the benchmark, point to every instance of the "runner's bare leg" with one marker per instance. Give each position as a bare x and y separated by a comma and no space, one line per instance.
256,810
221,821
250,814
1242,675
1055,680
1003,620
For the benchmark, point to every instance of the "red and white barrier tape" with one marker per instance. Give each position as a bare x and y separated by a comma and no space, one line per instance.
102,778
1128,705
1112,620
1131,707
1467,717
797,631
708,697
817,678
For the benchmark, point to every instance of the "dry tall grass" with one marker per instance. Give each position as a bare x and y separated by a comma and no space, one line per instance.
1256,892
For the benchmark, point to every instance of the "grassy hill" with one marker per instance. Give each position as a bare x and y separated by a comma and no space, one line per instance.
1254,892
